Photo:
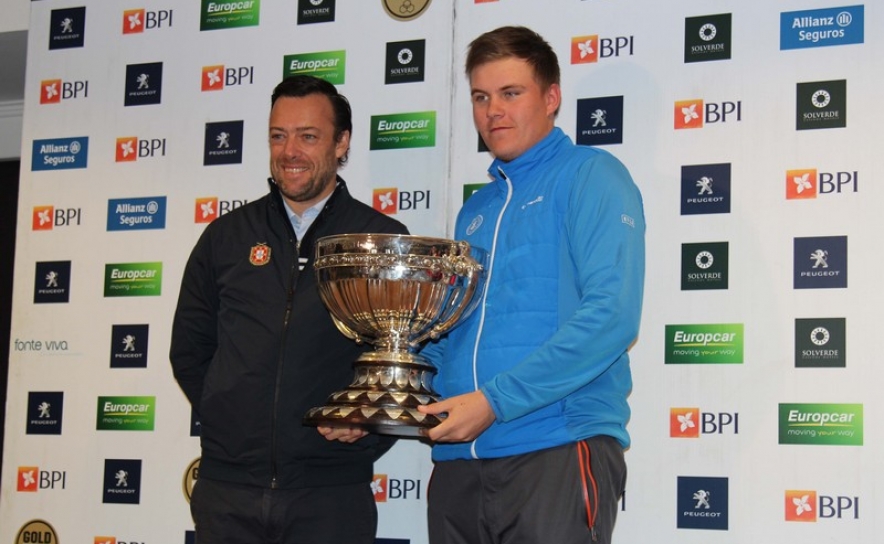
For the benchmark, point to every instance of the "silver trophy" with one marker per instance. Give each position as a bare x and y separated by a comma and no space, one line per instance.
394,292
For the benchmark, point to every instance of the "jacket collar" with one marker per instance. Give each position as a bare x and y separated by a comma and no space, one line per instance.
539,153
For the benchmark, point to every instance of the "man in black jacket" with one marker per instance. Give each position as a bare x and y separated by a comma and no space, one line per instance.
253,347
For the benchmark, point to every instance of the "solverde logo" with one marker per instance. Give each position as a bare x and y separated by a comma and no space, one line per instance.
133,279
403,130
221,14
821,424
327,65
125,413
712,344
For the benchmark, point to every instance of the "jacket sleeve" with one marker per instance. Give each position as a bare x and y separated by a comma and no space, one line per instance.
194,327
604,236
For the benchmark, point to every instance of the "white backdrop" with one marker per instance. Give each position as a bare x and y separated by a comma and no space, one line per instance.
729,246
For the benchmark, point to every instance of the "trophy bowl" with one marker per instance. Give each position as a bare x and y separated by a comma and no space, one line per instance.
393,291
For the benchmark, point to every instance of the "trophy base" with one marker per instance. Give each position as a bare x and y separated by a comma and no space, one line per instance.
383,397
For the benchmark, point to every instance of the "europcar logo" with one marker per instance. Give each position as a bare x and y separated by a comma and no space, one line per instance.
822,27
821,342
36,530
820,262
590,48
136,21
691,422
133,279
821,105
808,183
53,91
707,38
403,130
125,413
810,506
821,424
221,14
60,153
327,65
136,213
600,120
706,188
315,11
704,344
67,28
45,410
702,503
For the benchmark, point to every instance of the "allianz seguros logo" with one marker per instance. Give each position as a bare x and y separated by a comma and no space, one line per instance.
60,153
222,14
403,130
327,65
133,279
822,27
125,414
136,213
36,530
704,344
821,424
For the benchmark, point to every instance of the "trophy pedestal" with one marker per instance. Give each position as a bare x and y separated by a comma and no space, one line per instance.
387,389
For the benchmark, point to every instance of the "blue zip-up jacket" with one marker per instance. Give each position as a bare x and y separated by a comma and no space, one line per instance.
547,345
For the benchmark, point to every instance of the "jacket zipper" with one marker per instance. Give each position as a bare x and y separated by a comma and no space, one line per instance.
509,196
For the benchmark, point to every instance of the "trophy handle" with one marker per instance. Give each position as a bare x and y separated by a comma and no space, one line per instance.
347,331
473,283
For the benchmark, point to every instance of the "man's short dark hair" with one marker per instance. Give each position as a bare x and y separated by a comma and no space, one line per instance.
300,86
520,42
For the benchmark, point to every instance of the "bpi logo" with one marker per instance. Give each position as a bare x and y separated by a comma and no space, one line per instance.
217,77
808,183
691,422
131,148
207,209
587,49
136,21
53,91
114,540
47,217
391,200
386,488
31,479
809,506
694,113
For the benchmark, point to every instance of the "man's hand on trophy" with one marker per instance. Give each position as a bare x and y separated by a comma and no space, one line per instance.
343,434
468,416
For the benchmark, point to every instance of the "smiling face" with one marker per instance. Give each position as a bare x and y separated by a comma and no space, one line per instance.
512,112
303,151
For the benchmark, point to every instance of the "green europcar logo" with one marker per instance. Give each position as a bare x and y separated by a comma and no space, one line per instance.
821,424
221,14
133,279
126,413
327,65
403,130
710,344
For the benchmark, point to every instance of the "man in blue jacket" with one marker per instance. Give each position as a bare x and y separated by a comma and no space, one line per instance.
536,381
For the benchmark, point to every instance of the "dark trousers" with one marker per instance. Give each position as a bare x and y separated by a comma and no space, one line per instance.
563,495
228,513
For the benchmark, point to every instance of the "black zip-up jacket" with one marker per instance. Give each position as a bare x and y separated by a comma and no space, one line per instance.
253,347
